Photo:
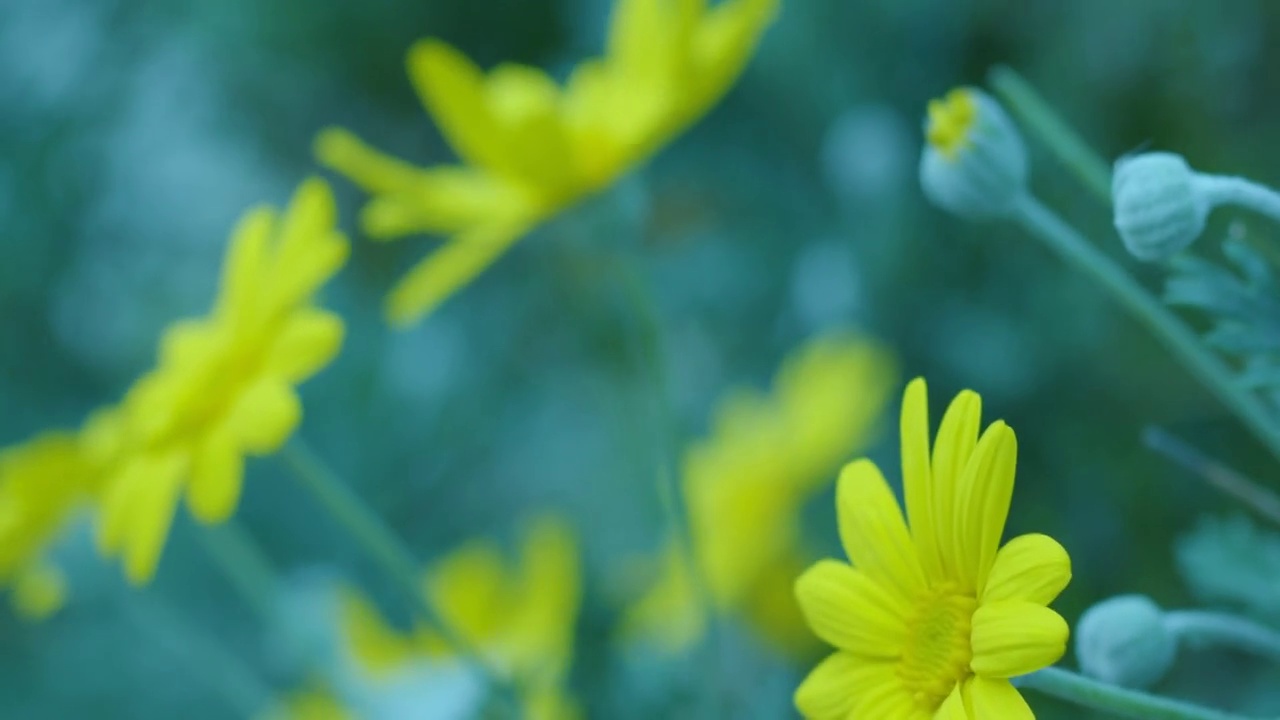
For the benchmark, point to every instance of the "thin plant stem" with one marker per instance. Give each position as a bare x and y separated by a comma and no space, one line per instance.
244,564
1259,499
373,535
1044,224
1086,692
204,656
1229,189
1205,627
1037,115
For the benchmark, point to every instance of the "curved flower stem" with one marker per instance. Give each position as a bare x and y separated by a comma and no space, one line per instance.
1232,190
1041,222
245,565
1086,692
1062,141
382,545
1203,627
1215,473
205,657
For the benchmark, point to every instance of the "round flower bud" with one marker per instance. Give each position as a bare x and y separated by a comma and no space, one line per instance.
1124,641
975,163
1160,207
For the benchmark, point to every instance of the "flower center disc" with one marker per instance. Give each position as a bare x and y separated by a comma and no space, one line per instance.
938,650
950,121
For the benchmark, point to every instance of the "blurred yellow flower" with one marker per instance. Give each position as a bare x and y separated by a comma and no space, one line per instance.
520,617
745,486
932,619
44,484
530,147
223,387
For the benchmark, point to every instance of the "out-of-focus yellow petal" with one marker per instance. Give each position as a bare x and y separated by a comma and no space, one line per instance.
550,586
997,699
152,504
1016,637
771,607
525,105
217,473
469,587
309,251
1031,567
721,46
448,269
308,341
373,171
982,503
265,415
444,200
851,610
957,438
245,264
874,533
377,647
452,88
668,613
39,591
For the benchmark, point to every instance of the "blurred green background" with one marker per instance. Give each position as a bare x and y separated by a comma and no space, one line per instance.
133,133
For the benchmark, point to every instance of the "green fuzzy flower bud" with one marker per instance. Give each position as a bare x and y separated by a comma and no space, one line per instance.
1125,641
1160,204
975,163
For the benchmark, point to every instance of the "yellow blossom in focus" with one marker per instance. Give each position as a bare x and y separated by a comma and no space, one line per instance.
529,146
223,386
746,484
932,617
519,616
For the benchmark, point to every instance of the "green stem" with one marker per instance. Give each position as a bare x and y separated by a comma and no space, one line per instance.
1041,120
1086,692
244,564
205,657
1203,627
1216,473
1041,222
382,545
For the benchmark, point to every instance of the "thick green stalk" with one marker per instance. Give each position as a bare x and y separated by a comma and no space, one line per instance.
1086,692
1038,117
1041,222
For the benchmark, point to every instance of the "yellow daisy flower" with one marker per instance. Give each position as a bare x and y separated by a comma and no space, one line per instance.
530,147
933,618
520,616
745,485
224,384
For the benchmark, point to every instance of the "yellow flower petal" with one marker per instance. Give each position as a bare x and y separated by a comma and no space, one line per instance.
997,699
550,588
471,588
377,647
153,503
217,473
831,689
885,696
242,268
444,200
721,46
265,416
39,591
1016,637
448,269
452,89
1030,567
373,171
851,611
309,250
525,104
953,708
917,480
873,532
986,488
957,438
309,339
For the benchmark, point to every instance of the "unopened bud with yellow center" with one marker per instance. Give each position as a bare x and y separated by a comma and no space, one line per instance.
974,163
